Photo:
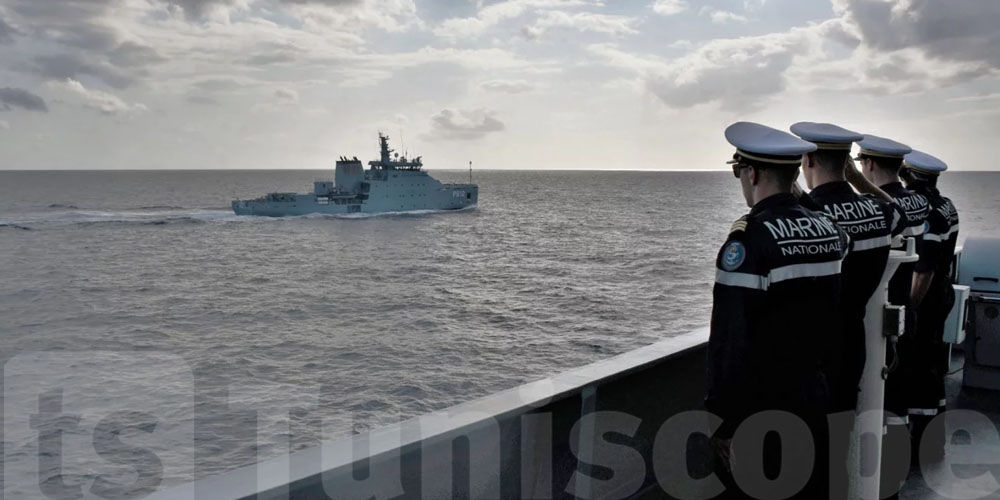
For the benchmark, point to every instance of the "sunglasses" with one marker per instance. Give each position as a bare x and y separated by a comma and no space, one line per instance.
737,167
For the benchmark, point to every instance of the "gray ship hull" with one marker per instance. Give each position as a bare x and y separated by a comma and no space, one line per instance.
405,191
390,185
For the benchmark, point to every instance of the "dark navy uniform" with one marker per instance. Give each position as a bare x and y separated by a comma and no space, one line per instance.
928,361
916,207
936,248
776,304
871,224
887,156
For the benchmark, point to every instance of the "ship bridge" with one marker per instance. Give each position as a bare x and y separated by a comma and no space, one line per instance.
387,161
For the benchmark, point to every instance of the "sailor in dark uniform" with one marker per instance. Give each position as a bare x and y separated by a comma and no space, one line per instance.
932,296
776,304
871,224
880,160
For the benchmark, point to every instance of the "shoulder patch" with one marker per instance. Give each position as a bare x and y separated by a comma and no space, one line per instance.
739,226
733,256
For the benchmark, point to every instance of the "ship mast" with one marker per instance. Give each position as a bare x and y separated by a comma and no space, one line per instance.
386,161
383,141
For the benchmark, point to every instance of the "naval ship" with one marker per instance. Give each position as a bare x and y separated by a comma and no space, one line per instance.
390,184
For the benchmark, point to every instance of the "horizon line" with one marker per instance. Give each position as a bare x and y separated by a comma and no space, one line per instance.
689,170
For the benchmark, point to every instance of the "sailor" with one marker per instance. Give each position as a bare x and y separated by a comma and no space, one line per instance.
932,296
871,223
880,160
776,304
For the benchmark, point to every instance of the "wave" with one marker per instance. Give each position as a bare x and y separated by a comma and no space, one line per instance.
124,217
168,215
60,205
161,207
409,213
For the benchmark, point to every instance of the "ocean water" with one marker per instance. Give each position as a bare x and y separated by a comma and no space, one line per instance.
222,340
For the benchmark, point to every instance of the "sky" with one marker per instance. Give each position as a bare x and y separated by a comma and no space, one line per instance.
518,84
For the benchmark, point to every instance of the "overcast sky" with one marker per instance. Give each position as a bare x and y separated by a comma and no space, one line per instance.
530,84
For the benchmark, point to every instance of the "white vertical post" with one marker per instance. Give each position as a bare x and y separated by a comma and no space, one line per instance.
871,405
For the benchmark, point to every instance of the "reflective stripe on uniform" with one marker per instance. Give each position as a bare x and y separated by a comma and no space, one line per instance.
914,230
923,411
895,219
745,280
943,403
804,271
872,243
941,237
893,420
758,282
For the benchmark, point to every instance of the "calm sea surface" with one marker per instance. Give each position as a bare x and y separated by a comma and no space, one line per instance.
139,299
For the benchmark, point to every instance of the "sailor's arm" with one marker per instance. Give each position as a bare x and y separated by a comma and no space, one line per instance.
930,246
728,345
921,283
862,184
897,219
804,199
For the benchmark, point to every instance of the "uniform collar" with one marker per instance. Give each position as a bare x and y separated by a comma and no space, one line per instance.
895,186
775,200
923,188
835,187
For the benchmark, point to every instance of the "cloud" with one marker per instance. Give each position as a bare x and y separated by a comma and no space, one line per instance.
222,84
491,15
507,86
722,16
7,31
737,73
203,100
275,53
4,125
131,54
669,7
356,16
332,3
977,98
464,124
197,9
580,21
19,98
83,38
288,96
958,30
103,102
74,65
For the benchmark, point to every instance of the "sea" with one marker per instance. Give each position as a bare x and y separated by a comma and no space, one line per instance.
167,339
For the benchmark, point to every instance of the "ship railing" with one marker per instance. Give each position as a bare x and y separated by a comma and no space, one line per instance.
532,441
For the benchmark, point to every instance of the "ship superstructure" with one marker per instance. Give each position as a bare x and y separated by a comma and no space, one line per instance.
390,184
